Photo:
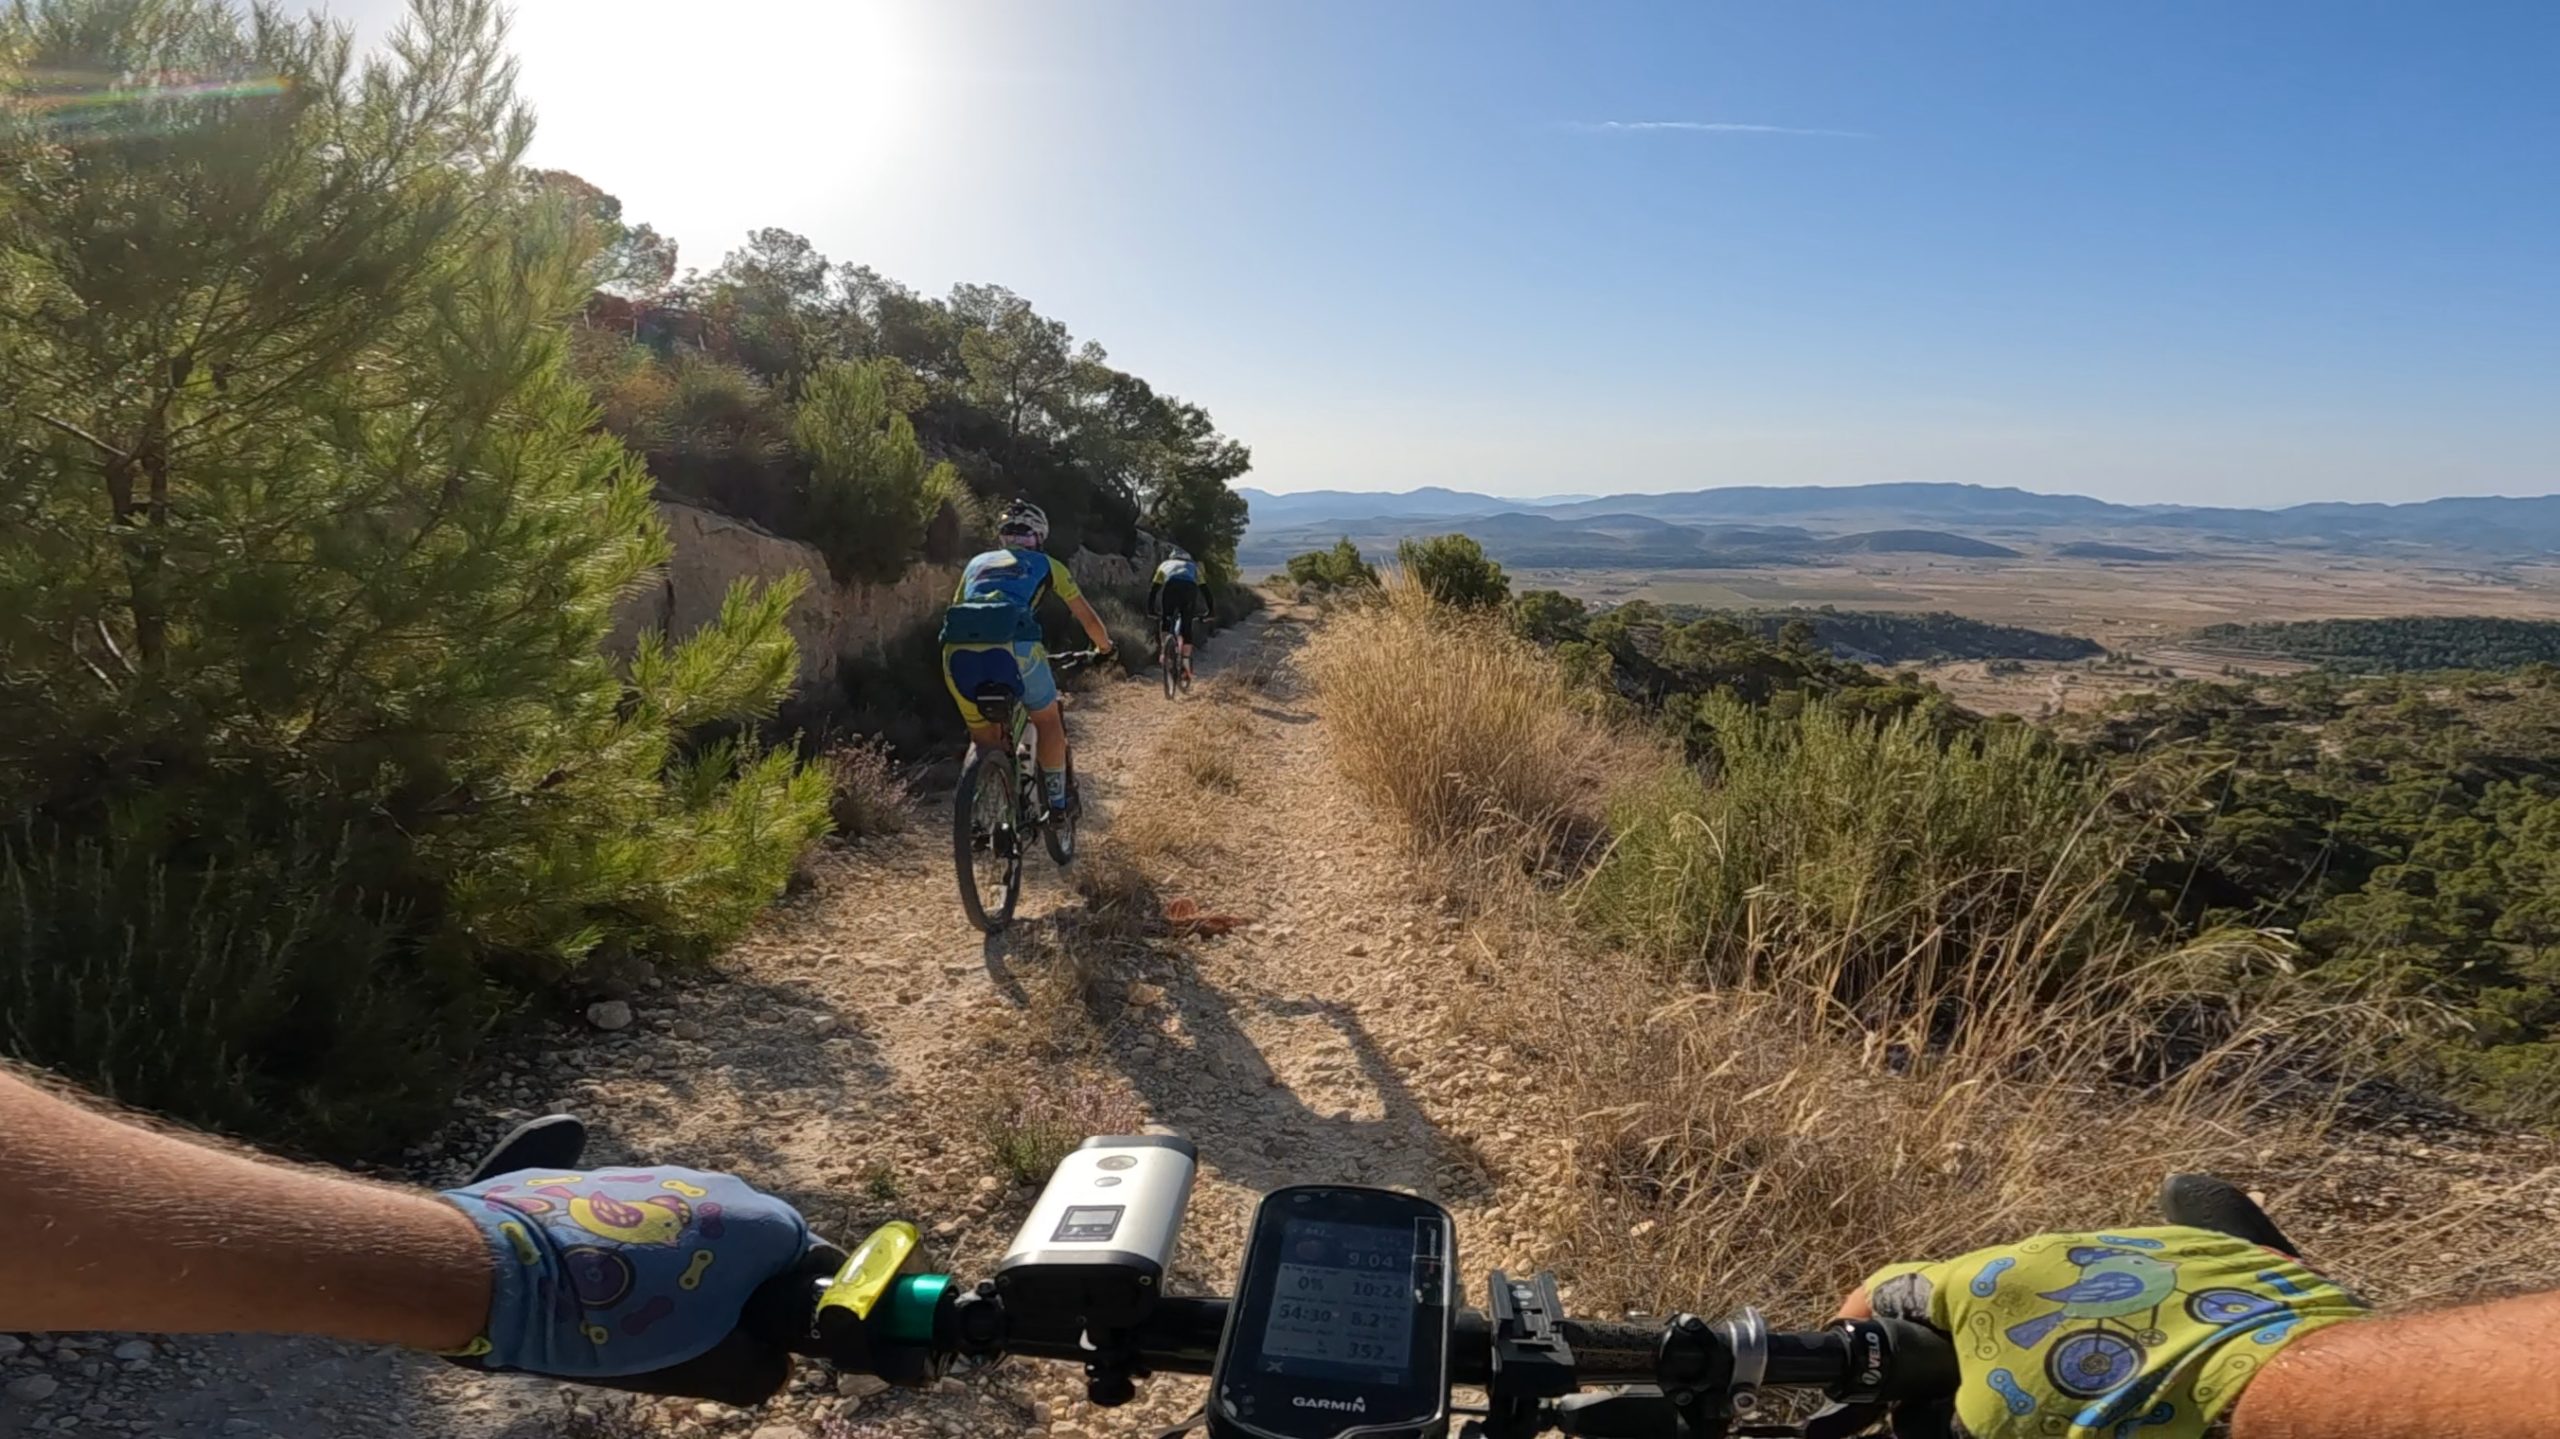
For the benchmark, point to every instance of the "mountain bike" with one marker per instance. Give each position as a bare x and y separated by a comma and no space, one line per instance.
1169,656
999,804
1344,1325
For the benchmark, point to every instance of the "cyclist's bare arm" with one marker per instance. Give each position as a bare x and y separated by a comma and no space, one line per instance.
1093,626
114,1226
2482,1371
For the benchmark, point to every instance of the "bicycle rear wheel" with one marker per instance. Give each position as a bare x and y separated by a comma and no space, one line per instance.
1168,659
986,840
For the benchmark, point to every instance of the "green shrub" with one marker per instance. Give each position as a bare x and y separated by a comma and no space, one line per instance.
341,566
1339,568
1871,858
1454,570
273,994
1548,617
870,491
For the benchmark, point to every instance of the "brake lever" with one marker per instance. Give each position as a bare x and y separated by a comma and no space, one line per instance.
2205,1201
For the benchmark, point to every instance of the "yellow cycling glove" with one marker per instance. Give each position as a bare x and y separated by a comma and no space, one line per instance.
2134,1332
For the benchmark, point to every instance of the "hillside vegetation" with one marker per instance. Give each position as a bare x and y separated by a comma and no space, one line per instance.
1639,658
832,404
312,768
1846,974
2407,831
1902,637
2408,642
1920,542
2403,832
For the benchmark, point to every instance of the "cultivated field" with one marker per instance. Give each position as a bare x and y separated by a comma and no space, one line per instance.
2140,611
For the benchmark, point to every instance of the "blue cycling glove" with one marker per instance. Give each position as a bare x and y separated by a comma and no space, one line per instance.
621,1271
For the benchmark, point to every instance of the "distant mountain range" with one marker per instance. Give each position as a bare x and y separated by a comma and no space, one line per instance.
1740,525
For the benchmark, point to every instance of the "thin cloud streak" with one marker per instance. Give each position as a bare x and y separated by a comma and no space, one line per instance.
1705,127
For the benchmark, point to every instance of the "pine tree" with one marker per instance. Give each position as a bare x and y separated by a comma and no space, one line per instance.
870,491
305,528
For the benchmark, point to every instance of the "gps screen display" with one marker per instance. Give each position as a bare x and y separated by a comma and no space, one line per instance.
1344,1306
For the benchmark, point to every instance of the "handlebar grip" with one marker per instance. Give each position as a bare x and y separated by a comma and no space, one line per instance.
1920,1362
752,1362
741,1369
783,1312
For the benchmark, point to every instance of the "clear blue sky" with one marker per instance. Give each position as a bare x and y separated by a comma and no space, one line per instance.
2236,251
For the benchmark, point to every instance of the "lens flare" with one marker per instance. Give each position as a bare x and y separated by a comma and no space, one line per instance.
72,106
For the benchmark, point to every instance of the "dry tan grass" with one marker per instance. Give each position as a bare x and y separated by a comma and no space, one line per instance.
1732,1146
1453,725
1029,1127
870,797
1762,1143
1208,765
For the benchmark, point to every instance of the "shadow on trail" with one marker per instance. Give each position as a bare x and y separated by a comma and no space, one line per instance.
1251,1120
1335,1107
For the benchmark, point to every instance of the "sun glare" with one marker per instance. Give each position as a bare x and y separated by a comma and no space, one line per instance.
772,96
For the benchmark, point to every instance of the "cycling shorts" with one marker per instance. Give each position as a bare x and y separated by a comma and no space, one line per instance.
1021,667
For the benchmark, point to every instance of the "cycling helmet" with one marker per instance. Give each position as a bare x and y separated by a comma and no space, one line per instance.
1026,522
1181,554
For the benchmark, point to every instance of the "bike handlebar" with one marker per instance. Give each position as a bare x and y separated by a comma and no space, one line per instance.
1864,1361
1874,1360
1181,1337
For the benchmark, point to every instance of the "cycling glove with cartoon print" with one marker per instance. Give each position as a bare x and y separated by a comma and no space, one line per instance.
621,1271
2127,1334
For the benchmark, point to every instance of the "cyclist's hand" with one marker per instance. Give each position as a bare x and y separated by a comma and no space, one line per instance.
2148,1332
618,1272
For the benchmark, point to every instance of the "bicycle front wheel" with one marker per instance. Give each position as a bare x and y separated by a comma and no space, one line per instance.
986,840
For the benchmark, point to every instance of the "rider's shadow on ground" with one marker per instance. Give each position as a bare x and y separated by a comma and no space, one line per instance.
1332,1109
1335,1108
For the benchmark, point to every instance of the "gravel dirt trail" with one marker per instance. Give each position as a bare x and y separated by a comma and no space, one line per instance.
850,1052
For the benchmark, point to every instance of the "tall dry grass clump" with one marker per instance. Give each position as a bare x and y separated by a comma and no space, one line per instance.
1448,720
1737,1146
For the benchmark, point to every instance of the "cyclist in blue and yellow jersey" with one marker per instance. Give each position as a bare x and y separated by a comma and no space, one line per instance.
991,636
1177,599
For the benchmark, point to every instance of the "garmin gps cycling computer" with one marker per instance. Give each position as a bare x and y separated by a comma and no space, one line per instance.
1341,1319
